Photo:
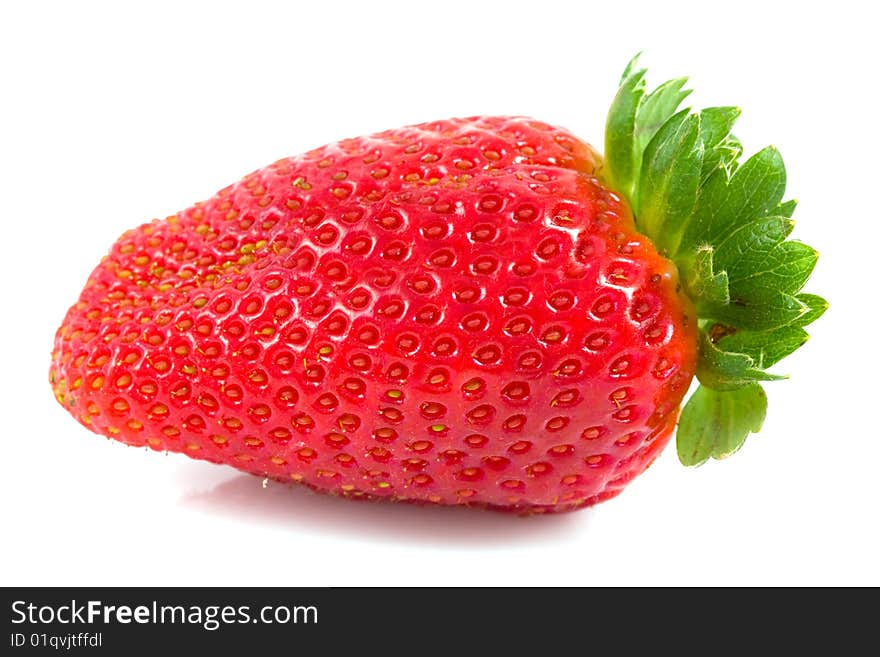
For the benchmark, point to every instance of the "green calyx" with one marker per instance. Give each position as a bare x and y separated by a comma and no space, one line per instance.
725,225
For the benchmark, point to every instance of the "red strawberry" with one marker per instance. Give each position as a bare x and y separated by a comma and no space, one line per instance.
457,312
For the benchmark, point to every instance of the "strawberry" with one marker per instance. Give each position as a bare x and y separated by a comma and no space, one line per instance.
474,311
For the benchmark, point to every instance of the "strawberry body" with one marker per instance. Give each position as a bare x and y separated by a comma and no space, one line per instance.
458,312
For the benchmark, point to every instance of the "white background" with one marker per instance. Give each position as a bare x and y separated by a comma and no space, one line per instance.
113,115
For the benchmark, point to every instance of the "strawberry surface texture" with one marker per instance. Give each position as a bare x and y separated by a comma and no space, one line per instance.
459,312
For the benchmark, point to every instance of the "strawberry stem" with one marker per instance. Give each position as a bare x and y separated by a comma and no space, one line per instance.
725,225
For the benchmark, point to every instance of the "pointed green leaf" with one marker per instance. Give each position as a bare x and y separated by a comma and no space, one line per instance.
773,310
716,124
763,273
620,152
670,178
753,190
816,307
765,348
631,68
714,423
655,110
785,209
726,370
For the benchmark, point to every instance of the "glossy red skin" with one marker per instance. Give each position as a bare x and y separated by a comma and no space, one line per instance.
457,312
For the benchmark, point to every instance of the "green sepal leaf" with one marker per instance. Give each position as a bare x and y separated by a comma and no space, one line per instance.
725,202
775,309
750,279
670,178
716,423
785,209
633,120
654,110
765,348
816,307
716,124
620,128
727,370
760,264
763,272
630,68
